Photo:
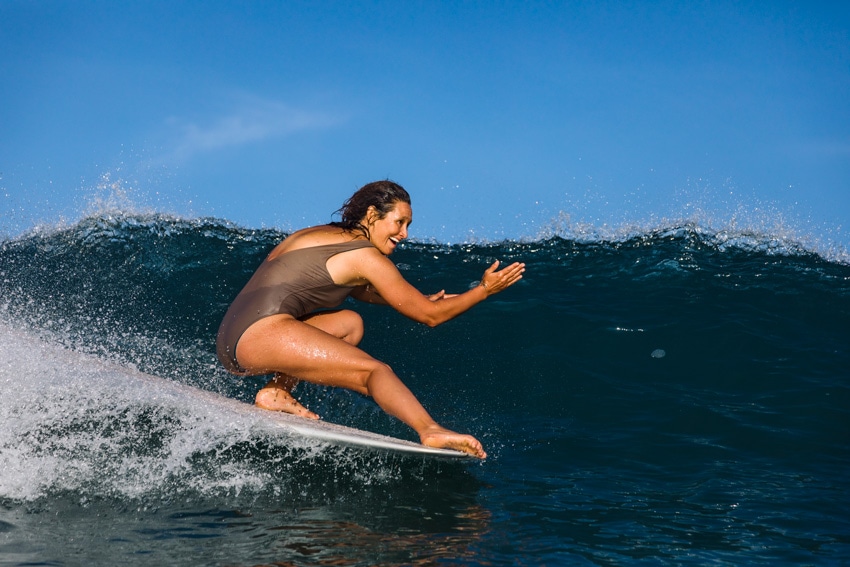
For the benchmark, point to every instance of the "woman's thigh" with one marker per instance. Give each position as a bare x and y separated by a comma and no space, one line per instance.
306,351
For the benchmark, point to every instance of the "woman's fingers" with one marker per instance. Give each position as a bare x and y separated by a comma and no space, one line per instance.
495,282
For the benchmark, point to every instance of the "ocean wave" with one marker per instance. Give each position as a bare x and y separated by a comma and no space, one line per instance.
112,226
144,286
663,366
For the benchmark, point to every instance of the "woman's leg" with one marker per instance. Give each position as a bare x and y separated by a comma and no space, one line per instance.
305,350
276,395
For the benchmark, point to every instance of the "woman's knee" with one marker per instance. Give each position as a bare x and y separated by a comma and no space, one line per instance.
381,370
368,372
343,324
352,325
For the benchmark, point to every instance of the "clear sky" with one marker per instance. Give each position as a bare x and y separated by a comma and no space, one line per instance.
499,117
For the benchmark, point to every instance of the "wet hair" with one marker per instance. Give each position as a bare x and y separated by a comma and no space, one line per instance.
383,195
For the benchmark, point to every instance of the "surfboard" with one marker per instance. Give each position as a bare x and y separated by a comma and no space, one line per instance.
302,427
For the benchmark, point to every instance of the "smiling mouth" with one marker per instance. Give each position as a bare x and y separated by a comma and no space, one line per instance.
394,240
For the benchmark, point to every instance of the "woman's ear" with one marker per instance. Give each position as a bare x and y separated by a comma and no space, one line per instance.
371,215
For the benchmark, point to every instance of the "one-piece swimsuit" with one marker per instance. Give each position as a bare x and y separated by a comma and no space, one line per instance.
295,283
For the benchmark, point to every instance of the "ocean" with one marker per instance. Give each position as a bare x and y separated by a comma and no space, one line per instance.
676,395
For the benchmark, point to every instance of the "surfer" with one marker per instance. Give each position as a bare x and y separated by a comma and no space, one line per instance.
279,323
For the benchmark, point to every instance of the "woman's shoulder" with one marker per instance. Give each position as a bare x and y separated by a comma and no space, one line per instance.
313,236
321,235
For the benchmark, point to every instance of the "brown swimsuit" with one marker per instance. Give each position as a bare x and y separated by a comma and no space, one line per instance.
295,283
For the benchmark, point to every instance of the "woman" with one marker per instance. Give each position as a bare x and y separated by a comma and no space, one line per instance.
273,326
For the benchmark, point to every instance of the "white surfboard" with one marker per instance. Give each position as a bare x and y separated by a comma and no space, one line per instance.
304,427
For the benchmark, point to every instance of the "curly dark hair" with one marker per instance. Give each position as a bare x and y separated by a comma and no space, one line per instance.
383,195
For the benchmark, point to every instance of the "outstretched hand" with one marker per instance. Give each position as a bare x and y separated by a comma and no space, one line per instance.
495,281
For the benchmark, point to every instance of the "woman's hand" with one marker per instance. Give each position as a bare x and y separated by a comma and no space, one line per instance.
494,282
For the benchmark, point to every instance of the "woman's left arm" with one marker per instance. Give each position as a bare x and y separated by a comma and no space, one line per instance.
432,310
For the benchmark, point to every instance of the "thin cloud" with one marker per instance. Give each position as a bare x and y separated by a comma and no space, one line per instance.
252,122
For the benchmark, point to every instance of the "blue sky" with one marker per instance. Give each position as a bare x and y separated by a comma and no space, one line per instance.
499,117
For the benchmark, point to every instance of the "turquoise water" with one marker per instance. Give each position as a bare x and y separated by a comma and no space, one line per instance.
675,396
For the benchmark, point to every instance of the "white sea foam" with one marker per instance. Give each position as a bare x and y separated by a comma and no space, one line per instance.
74,422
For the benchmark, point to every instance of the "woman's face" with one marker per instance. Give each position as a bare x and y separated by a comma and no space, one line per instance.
386,233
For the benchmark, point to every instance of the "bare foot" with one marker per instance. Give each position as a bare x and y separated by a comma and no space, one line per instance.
275,396
442,438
